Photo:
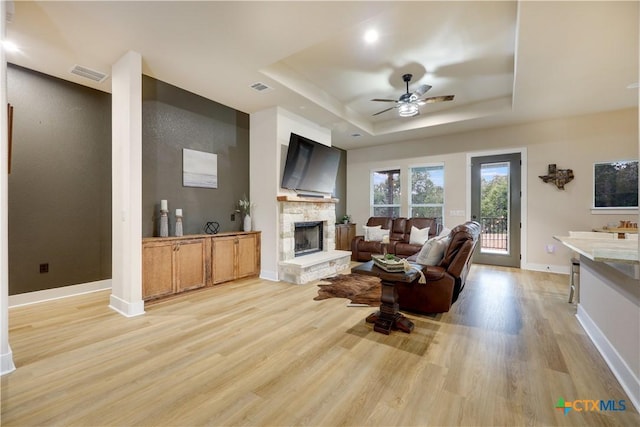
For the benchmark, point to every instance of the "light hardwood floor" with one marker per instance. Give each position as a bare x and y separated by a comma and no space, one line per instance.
254,352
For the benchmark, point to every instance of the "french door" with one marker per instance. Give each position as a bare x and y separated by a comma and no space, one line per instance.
495,204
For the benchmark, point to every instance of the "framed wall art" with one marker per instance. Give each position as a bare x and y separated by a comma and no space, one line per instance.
199,169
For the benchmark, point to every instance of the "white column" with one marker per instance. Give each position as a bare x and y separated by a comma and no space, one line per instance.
263,186
126,169
6,357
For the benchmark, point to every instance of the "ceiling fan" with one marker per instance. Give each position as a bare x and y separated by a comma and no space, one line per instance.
408,104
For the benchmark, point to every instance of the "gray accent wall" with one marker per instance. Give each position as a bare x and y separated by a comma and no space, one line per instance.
174,119
60,182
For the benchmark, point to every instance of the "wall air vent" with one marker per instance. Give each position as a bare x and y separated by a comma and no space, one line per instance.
88,73
260,87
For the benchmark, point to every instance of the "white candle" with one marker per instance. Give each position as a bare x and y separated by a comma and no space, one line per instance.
163,205
178,212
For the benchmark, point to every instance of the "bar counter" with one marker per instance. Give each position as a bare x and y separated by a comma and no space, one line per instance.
603,250
609,304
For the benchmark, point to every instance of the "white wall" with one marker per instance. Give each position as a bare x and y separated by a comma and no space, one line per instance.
6,356
269,130
574,143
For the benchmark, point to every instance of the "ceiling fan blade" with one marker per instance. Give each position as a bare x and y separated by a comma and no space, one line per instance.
436,99
385,100
383,111
422,89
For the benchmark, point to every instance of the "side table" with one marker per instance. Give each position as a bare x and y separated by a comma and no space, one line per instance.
389,316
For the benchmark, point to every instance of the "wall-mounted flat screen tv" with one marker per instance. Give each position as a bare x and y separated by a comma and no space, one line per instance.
310,166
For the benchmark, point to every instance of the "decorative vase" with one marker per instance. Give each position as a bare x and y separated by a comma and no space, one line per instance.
247,223
178,226
164,223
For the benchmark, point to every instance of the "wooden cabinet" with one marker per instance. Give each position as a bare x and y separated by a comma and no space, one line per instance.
344,235
234,257
223,259
157,269
190,261
175,264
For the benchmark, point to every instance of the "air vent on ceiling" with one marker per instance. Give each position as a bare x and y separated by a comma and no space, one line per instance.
260,87
88,73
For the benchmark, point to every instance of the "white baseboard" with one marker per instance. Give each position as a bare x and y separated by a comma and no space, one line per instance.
626,377
6,363
269,275
56,293
127,309
559,269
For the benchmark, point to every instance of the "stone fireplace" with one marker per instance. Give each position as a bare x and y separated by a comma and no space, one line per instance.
307,237
301,264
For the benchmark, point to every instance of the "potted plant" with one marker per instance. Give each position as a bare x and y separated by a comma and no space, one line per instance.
346,219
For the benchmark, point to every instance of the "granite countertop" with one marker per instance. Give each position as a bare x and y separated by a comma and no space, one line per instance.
603,250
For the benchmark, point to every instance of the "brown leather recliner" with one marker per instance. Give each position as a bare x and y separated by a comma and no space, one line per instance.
399,234
446,280
402,247
361,249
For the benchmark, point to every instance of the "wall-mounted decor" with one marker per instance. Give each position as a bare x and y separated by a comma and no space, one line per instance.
556,176
615,185
199,169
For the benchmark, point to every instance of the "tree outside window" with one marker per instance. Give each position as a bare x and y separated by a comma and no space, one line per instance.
386,193
427,192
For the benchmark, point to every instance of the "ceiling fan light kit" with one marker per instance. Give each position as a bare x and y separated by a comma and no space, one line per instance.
408,104
408,110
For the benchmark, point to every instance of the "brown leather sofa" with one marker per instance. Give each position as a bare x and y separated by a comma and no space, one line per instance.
446,280
400,231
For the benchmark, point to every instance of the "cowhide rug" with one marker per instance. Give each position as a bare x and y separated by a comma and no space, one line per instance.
358,288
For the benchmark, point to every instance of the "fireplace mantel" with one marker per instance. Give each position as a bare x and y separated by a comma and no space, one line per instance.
298,199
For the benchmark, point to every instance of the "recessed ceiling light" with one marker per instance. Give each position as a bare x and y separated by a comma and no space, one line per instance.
371,36
9,46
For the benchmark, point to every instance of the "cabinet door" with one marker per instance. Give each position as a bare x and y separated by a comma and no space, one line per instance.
343,242
157,270
350,236
247,258
223,255
189,258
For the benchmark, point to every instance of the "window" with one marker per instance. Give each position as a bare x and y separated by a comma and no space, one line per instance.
427,192
386,193
615,185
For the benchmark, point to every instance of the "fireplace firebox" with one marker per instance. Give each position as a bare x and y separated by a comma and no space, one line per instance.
308,237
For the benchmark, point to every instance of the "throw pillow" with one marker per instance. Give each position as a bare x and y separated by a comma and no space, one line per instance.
377,234
367,231
418,236
433,251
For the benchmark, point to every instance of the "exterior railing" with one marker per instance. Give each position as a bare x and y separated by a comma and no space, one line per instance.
495,233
